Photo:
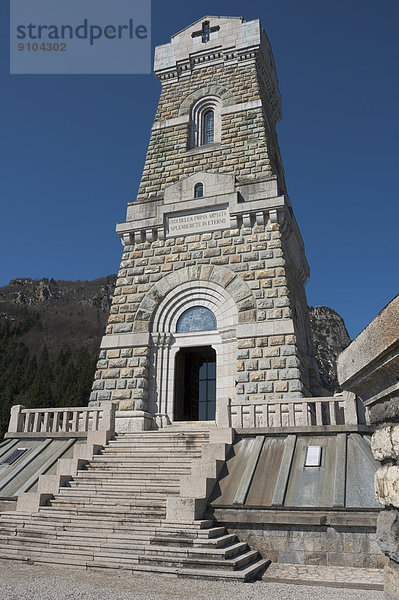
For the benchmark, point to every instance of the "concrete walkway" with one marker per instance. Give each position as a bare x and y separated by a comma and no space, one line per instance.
24,582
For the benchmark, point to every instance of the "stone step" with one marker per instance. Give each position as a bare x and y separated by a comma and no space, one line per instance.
142,466
135,476
121,472
96,511
118,514
198,433
31,531
143,460
182,541
216,547
246,574
112,515
211,561
159,443
82,526
124,484
148,495
149,451
146,447
121,468
117,492
203,529
73,496
232,557
138,537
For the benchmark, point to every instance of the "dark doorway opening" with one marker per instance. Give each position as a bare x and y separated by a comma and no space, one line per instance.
195,384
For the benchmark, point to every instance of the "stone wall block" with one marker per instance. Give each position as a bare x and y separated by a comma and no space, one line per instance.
117,363
391,587
386,482
98,385
387,410
111,374
246,304
388,533
382,443
247,316
123,328
290,374
121,395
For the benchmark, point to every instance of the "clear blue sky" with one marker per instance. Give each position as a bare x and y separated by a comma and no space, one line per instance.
73,147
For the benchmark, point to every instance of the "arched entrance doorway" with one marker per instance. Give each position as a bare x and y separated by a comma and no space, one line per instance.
193,355
195,384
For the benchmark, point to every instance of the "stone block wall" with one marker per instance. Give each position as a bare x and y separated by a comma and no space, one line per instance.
122,374
313,545
248,140
250,263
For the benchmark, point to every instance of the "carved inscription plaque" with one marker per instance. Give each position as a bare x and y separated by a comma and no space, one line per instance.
197,222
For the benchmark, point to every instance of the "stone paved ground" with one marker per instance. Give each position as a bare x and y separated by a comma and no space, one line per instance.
25,582
330,576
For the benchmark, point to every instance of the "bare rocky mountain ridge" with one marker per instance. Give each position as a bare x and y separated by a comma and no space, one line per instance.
70,313
330,337
74,314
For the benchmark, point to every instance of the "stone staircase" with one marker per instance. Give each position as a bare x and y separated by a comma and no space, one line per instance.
112,515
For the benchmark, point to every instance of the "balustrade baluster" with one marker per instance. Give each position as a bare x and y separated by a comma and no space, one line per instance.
305,415
264,419
240,415
291,414
333,420
251,416
86,420
75,420
25,423
35,427
277,417
56,422
319,414
46,419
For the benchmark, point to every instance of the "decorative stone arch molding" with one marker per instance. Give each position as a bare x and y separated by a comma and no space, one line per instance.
207,99
195,293
227,296
197,125
225,94
232,283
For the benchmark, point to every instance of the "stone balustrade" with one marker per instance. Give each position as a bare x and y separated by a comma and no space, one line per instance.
71,421
296,412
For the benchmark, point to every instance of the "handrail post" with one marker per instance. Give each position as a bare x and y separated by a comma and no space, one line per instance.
108,417
16,419
350,408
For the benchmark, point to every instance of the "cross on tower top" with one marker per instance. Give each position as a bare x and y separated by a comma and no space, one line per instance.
205,31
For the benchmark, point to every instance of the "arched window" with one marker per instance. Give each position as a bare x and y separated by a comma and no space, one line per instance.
205,122
198,190
208,127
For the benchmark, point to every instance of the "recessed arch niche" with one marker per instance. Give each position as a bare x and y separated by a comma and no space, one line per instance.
220,315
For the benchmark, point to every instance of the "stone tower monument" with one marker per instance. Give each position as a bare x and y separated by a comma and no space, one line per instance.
209,304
